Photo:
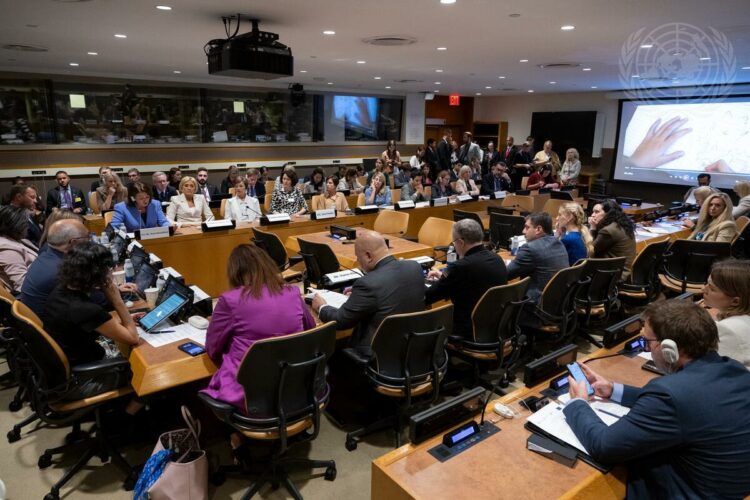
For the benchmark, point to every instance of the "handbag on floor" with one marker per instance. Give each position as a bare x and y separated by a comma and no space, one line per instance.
177,468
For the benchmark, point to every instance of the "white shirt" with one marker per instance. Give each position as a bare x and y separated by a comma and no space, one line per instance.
242,210
734,338
414,162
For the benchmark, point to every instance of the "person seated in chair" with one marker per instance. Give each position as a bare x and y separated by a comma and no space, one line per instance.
140,211
497,180
466,280
241,207
161,189
413,190
687,434
541,257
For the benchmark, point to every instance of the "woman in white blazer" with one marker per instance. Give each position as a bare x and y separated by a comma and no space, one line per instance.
189,208
727,293
241,207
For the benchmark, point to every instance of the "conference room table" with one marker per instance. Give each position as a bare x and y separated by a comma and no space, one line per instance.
501,466
646,232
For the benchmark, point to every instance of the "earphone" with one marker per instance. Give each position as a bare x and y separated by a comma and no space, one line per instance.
669,351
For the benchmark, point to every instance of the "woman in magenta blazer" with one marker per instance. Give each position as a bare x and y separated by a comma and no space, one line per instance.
260,305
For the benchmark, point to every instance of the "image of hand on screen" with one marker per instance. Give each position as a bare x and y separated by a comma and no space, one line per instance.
653,150
720,166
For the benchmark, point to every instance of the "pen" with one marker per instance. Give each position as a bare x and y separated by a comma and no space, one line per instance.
163,331
608,413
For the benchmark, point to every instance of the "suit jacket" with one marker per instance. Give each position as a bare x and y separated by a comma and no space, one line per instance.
612,241
742,208
489,160
393,287
34,233
180,212
76,196
488,184
508,157
131,217
431,158
167,196
464,282
444,155
213,191
540,259
687,434
259,189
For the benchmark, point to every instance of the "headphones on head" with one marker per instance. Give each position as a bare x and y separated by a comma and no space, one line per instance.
669,351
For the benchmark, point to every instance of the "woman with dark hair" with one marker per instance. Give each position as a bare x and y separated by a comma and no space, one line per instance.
316,184
233,174
331,198
140,211
545,178
391,157
16,252
76,323
242,206
256,286
287,199
175,176
351,182
613,232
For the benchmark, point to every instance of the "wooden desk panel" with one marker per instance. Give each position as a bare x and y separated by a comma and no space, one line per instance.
645,208
399,247
501,466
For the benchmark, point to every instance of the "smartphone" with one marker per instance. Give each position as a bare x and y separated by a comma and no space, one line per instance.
191,348
575,371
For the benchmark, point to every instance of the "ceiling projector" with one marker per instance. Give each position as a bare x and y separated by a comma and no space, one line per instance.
257,54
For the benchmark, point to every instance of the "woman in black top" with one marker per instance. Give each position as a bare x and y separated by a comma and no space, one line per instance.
77,324
229,181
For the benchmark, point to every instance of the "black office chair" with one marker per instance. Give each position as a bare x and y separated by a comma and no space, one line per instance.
741,244
595,300
53,380
275,249
500,210
643,285
555,312
463,214
503,227
407,364
496,340
319,261
285,392
687,264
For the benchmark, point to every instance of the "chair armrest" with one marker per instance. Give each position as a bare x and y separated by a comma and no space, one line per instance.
295,259
102,366
410,238
356,356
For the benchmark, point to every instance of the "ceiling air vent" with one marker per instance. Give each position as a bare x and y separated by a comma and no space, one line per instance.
559,65
408,81
25,48
390,40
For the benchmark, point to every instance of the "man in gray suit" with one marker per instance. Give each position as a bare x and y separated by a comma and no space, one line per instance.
687,434
541,257
389,287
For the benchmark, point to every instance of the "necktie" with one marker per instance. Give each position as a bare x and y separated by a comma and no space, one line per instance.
68,200
252,191
497,184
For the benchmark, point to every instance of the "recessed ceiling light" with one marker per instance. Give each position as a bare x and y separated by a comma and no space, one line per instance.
524,60
436,91
378,77
594,87
442,48
746,67
329,32
647,45
120,35
438,71
361,62
636,76
488,87
530,91
93,53
177,72
567,27
514,15
330,83
303,71
478,93
437,83
552,83
387,86
73,64
164,7
705,58
501,77
586,69
447,2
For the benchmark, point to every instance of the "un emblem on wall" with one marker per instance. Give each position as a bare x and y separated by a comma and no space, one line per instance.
677,55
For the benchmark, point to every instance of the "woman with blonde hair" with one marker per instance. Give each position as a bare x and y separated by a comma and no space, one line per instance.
189,207
571,168
715,221
700,194
573,233
111,192
727,293
378,193
465,184
742,188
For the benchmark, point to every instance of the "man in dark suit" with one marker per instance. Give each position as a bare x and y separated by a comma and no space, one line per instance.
509,153
497,180
687,434
255,187
24,196
389,286
65,195
444,151
541,257
161,189
491,156
465,281
208,190
431,158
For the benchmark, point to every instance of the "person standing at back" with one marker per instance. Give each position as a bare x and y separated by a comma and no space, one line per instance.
444,150
541,257
465,281
431,158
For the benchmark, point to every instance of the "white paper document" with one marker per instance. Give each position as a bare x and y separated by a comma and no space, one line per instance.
334,299
175,333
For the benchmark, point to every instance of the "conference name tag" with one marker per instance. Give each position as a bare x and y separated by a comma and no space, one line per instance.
405,204
215,224
369,207
150,233
464,197
278,217
327,213
499,194
440,202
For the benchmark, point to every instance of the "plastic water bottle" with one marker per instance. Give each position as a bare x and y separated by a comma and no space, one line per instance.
451,256
104,239
115,256
129,271
122,228
160,282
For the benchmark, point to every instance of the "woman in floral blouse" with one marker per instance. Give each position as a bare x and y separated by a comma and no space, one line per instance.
288,199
